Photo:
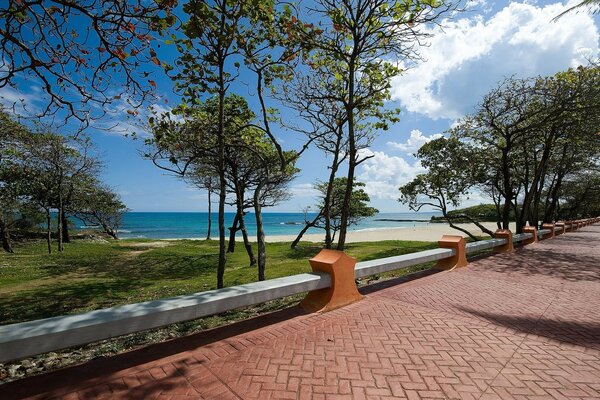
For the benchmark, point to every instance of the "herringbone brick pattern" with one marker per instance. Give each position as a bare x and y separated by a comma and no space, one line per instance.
523,325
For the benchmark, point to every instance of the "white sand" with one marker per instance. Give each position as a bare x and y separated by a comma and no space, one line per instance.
429,233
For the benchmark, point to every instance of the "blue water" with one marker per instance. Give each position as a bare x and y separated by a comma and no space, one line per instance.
173,225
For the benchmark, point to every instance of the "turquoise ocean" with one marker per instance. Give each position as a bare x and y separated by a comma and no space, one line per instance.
179,225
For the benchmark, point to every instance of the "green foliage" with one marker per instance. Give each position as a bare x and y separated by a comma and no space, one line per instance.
534,133
92,275
481,212
359,208
453,168
41,172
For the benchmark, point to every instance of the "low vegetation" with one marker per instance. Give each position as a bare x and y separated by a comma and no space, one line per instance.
34,285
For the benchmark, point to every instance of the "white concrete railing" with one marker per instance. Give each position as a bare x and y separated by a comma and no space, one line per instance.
35,337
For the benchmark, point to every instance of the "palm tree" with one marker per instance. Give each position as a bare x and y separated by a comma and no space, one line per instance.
592,4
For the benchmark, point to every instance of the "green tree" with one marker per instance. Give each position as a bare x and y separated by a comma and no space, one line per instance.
359,208
97,204
207,53
10,180
360,44
190,149
453,170
519,126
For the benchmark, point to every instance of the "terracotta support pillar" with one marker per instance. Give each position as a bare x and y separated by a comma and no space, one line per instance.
504,234
458,244
551,228
568,226
532,230
343,289
559,224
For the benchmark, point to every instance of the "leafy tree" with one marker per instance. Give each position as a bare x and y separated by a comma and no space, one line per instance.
82,54
190,148
54,173
359,208
10,182
99,205
453,170
358,45
206,54
521,124
580,196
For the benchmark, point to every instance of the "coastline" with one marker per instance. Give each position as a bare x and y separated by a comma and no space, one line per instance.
431,232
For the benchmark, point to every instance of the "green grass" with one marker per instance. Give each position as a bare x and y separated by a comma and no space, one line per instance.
92,275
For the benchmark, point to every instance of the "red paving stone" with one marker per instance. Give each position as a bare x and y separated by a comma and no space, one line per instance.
523,325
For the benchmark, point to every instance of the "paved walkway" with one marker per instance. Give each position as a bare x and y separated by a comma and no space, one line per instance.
524,325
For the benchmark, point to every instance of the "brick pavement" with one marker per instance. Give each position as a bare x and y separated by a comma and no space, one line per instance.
523,325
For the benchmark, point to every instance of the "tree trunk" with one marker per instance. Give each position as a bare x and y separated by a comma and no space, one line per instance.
221,169
260,234
49,230
6,243
345,211
552,210
327,200
247,244
480,226
110,232
232,231
458,228
303,231
66,237
59,220
507,190
209,217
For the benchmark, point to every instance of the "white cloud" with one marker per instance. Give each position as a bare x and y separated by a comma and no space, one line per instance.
303,190
468,56
22,103
414,142
384,174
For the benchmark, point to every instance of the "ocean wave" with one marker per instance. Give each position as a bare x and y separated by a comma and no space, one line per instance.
123,231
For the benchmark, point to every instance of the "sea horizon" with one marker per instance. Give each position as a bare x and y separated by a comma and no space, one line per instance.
193,224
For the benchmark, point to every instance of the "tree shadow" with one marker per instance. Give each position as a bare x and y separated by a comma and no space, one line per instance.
552,262
375,287
94,371
60,299
573,332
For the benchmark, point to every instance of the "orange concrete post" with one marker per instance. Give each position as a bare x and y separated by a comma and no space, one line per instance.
343,289
551,228
562,225
504,234
457,243
568,226
532,230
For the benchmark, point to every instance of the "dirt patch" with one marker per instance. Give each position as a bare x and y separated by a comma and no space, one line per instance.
147,245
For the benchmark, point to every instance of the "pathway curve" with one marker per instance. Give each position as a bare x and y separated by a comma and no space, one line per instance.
524,325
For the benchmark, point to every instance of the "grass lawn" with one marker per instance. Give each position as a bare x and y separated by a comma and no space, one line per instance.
92,275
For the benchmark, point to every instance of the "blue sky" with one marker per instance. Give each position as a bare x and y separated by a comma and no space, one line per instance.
462,61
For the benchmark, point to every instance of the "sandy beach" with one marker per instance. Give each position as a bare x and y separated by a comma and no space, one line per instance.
429,233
